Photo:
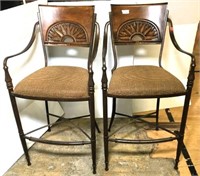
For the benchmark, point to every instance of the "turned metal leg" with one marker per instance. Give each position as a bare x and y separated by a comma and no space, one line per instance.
105,127
113,113
93,135
20,129
105,115
95,122
47,114
182,129
178,152
157,112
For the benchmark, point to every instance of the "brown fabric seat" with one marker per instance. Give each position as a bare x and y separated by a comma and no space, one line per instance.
138,26
44,83
144,81
60,27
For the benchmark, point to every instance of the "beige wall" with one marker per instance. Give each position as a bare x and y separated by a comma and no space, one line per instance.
184,11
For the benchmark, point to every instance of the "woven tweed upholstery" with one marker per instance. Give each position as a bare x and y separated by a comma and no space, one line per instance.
140,81
55,82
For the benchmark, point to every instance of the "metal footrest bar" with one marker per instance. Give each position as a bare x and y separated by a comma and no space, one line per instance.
121,128
160,127
131,117
148,141
144,121
55,123
57,142
74,118
152,124
150,115
129,141
71,118
59,121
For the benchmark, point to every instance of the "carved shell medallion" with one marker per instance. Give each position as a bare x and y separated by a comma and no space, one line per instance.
138,30
66,32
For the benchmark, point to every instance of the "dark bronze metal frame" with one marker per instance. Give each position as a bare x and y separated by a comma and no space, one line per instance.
176,135
93,45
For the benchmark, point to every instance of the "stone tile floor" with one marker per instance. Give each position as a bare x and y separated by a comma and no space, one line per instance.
125,160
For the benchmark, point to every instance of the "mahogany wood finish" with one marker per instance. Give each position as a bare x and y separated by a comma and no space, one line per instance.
66,26
141,24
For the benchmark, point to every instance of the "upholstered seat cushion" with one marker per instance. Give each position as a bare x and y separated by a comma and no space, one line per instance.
144,81
56,83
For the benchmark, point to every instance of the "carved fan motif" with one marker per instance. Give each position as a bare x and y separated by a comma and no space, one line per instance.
66,32
138,30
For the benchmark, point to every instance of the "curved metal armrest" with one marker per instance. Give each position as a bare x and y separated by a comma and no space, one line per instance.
173,39
105,43
191,75
104,52
95,46
96,39
8,78
25,49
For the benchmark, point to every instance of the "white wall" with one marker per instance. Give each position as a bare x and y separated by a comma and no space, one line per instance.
16,28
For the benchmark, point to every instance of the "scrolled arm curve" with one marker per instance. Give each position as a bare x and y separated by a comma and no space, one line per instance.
92,56
191,76
26,48
95,46
8,78
104,52
105,43
173,39
96,42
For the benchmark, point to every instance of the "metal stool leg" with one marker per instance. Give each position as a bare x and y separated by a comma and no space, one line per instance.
20,129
